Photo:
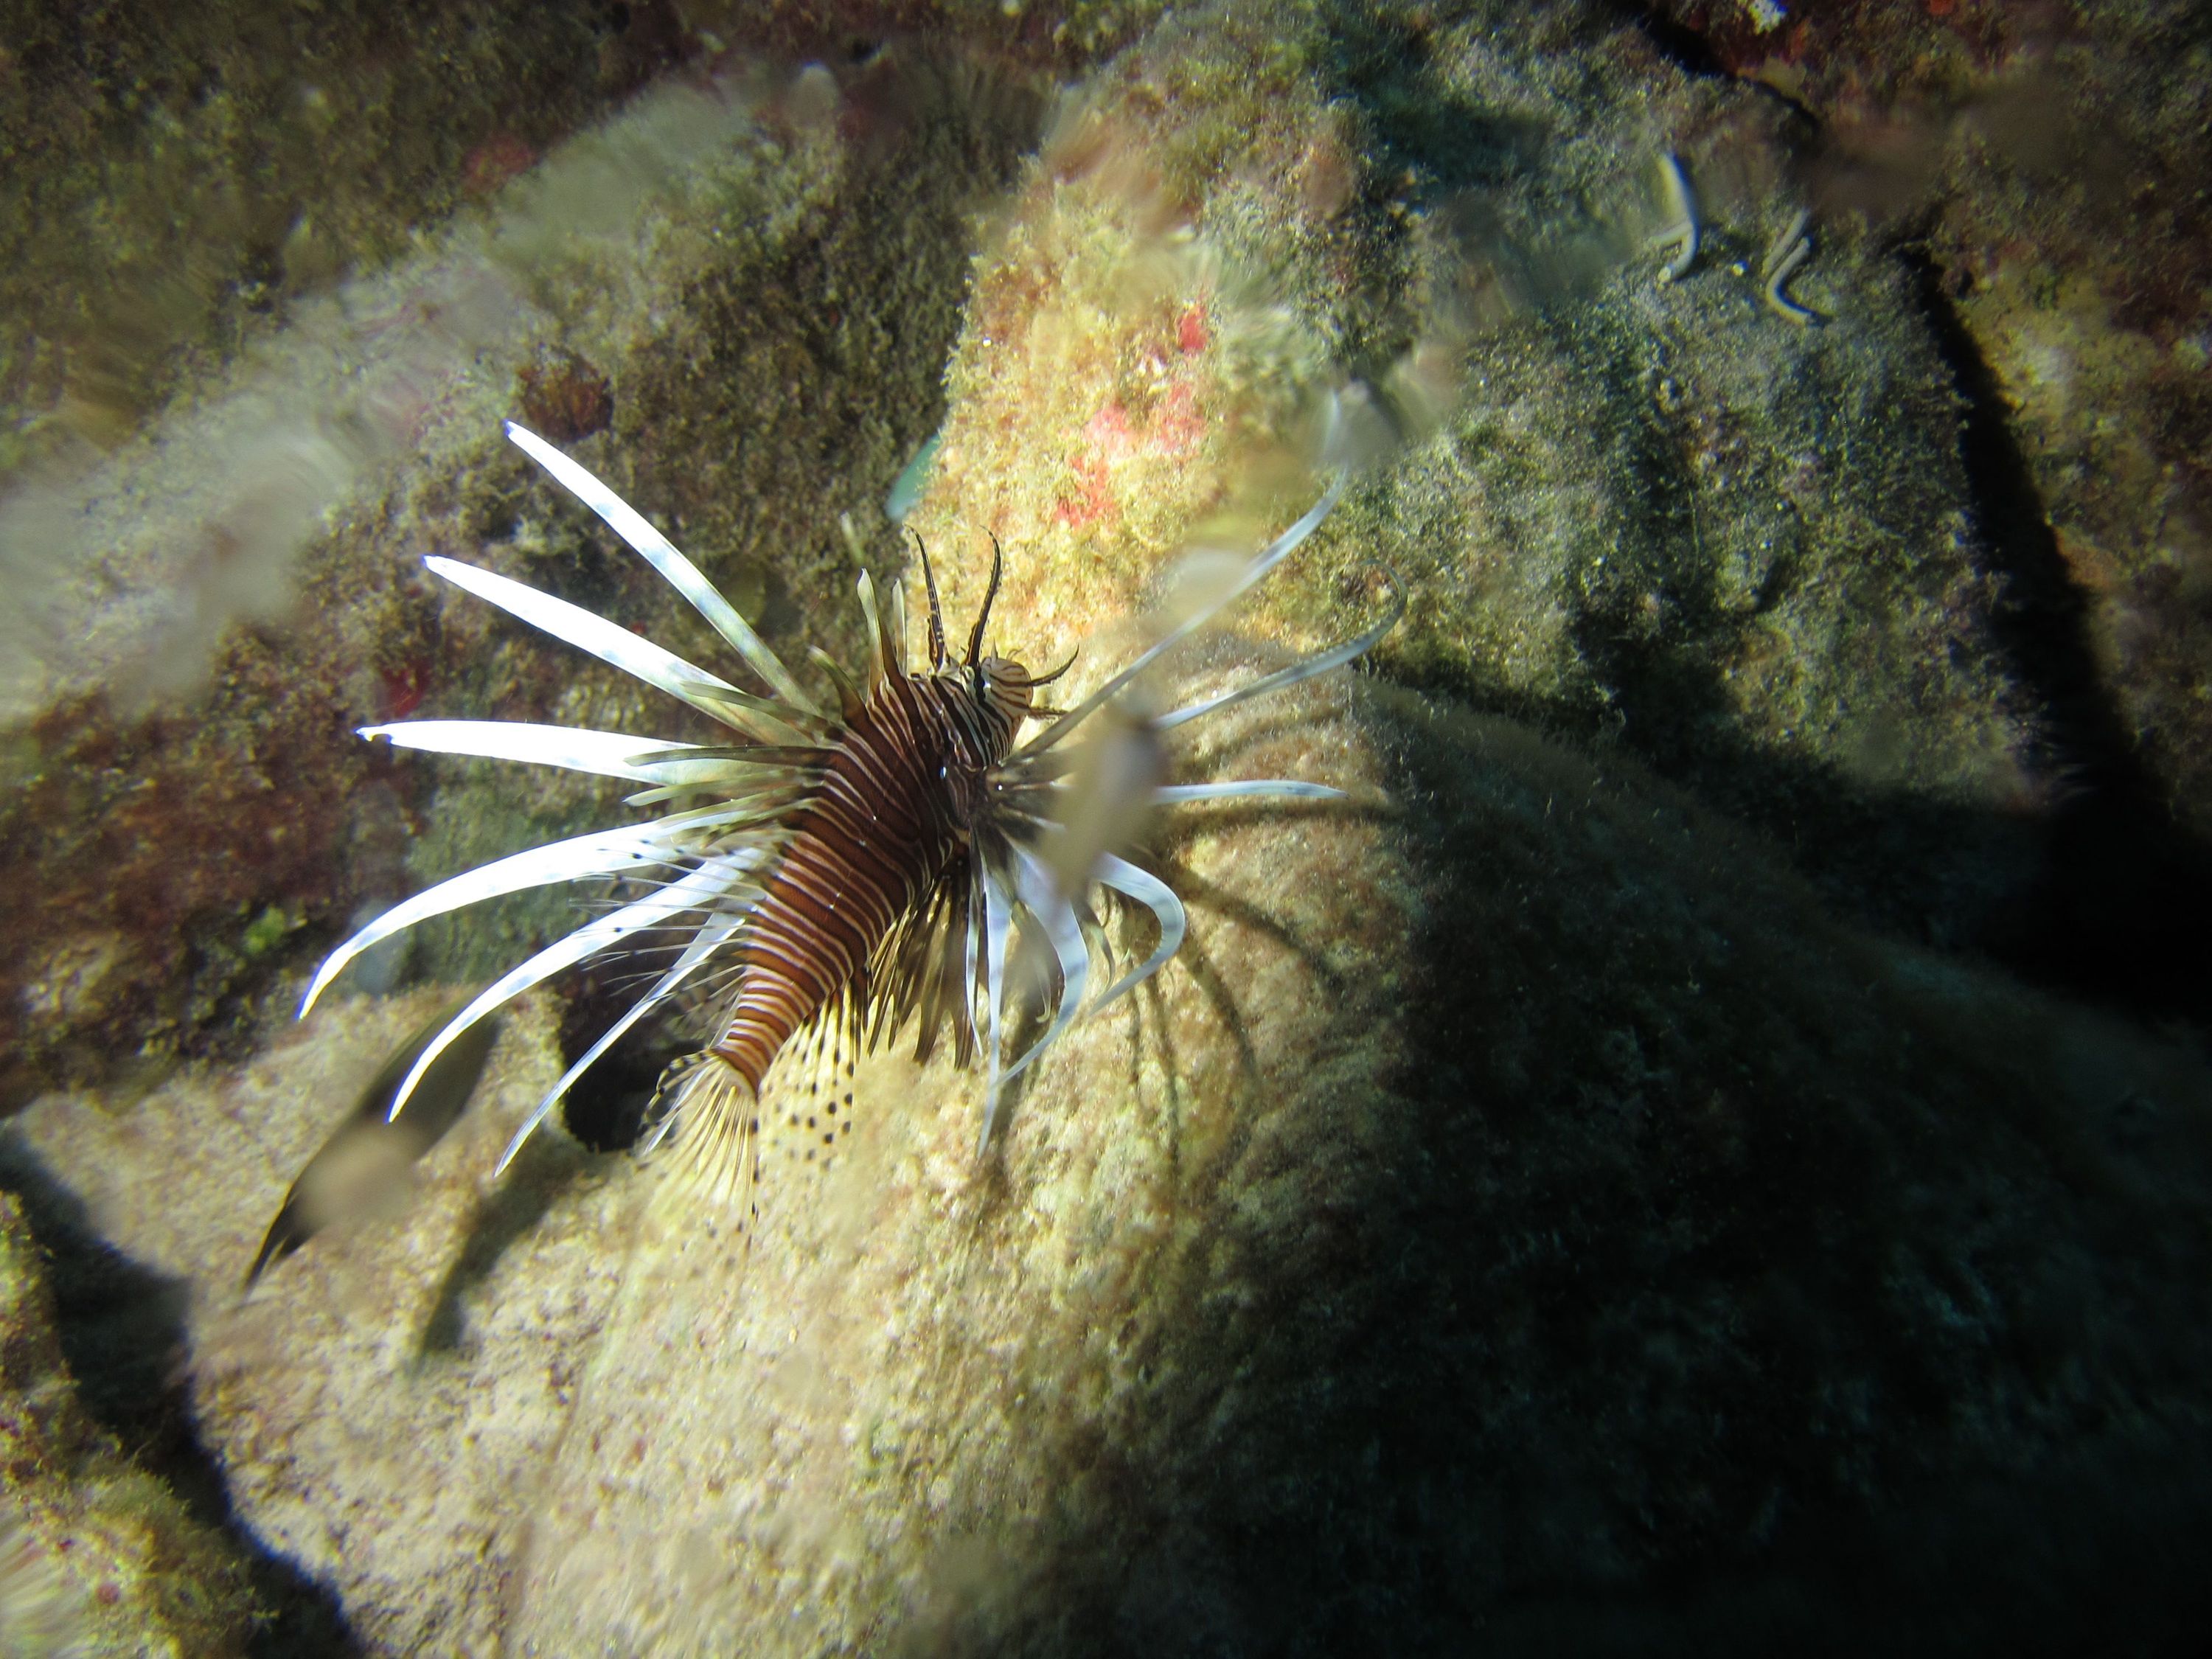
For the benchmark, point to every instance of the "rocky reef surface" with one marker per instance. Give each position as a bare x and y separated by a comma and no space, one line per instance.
1642,1174
96,1555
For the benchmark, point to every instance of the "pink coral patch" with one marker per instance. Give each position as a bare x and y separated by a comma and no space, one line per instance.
1107,438
1110,437
1178,426
1191,332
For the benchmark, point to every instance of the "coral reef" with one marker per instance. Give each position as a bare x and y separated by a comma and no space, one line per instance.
1662,516
370,1425
159,838
1672,1236
2041,165
97,1557
1578,1196
176,182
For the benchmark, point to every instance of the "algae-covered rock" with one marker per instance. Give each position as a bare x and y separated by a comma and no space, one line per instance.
1519,1200
97,1557
1524,1215
2042,163
266,536
371,1425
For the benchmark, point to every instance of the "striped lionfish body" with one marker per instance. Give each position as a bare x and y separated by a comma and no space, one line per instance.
902,794
860,869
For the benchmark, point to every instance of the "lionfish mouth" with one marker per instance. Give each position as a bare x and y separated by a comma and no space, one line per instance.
867,866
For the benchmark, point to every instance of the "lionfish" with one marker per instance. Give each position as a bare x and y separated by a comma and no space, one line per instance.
847,870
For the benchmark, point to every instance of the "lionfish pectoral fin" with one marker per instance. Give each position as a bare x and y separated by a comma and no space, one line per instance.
697,888
878,665
850,704
661,554
1146,890
713,934
894,627
1231,789
588,631
1043,901
1305,669
997,920
1254,572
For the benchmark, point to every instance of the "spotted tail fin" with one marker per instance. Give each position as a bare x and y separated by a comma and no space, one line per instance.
704,1125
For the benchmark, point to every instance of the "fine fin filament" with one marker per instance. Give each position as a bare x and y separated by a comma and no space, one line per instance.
712,874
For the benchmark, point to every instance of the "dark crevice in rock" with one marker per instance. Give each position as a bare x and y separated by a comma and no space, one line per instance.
2126,890
606,1108
1681,46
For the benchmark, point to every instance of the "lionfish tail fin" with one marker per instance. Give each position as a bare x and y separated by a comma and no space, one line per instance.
705,1127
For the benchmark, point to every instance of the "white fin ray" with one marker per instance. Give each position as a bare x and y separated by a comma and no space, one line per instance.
765,718
698,887
602,853
971,942
1320,663
728,772
710,938
1156,896
662,555
573,625
1284,788
758,791
895,625
608,754
997,921
1042,897
877,668
1268,558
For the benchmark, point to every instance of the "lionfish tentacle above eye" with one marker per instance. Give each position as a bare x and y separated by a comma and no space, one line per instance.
873,865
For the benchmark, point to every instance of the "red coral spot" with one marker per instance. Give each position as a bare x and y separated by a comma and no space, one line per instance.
1191,333
1108,432
1096,500
1107,438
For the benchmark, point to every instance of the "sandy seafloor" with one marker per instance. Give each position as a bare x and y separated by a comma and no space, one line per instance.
1706,1146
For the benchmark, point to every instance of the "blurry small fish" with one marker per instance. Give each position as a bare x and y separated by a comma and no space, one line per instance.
913,479
368,1155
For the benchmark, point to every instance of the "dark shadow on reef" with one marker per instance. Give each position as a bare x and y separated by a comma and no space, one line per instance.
2123,892
543,1172
1707,1279
122,1330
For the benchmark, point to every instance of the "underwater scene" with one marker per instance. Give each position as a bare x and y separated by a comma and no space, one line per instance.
1095,827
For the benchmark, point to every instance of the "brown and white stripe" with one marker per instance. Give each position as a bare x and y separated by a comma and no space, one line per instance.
897,799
